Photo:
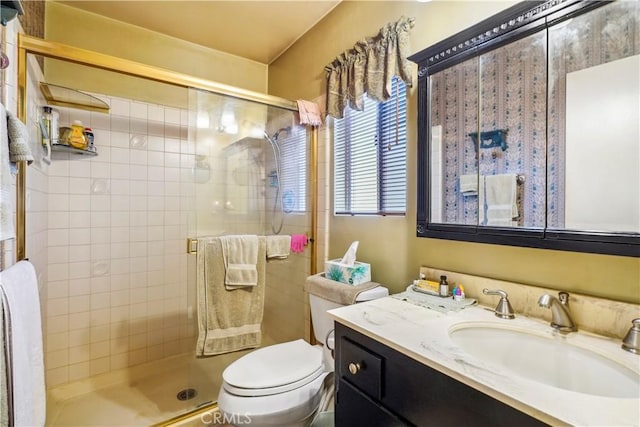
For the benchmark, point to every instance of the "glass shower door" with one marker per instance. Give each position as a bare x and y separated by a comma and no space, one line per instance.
249,176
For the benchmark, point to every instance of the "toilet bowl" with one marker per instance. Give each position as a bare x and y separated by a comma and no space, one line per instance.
282,384
279,385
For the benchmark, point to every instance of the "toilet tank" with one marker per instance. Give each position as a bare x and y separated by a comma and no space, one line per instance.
322,323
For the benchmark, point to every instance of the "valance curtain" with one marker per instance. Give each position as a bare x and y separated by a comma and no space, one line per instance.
368,68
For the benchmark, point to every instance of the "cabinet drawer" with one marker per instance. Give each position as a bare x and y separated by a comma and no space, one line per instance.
356,409
361,367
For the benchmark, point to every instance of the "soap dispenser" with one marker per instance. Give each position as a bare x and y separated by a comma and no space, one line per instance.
77,138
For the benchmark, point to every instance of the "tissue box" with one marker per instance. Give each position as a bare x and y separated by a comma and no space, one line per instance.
360,272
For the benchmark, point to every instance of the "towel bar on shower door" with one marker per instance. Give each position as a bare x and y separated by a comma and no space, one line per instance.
192,244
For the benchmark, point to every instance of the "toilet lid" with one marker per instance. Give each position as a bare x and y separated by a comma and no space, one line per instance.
274,369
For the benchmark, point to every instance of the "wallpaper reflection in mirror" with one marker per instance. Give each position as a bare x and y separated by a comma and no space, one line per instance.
454,114
508,87
602,36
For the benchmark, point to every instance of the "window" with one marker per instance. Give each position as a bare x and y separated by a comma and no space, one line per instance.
293,170
370,157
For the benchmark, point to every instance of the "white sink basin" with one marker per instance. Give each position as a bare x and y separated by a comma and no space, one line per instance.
548,360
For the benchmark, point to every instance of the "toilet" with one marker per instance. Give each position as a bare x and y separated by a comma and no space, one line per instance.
282,384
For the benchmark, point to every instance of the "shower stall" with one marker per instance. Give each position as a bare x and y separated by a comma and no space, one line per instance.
111,232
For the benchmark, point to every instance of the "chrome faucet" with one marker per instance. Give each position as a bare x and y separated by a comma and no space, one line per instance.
503,310
631,341
560,316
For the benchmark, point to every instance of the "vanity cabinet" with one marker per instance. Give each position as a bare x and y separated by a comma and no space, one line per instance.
379,386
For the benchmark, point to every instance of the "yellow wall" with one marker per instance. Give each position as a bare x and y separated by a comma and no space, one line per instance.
86,30
389,243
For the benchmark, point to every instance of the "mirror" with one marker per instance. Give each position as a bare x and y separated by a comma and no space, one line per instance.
611,149
529,129
594,120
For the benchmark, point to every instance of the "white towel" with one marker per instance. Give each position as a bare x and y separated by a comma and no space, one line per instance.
469,185
20,286
481,197
500,196
240,254
6,369
7,230
278,247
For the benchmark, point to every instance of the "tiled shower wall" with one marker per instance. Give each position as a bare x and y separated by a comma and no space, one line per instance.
106,235
36,191
121,287
117,268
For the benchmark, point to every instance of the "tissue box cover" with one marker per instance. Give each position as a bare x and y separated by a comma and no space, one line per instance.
360,272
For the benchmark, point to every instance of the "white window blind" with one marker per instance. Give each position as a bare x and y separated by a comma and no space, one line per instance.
293,170
370,157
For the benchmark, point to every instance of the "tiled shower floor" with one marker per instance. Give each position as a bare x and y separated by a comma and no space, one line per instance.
139,396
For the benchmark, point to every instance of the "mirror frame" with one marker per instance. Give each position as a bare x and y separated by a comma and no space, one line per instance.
514,23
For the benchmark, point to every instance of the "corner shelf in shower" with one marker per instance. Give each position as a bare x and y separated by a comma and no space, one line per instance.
67,97
63,148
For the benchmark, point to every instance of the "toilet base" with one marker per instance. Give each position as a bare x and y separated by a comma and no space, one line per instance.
295,408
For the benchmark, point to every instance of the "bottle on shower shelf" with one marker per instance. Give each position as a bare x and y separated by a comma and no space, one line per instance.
88,134
50,118
77,138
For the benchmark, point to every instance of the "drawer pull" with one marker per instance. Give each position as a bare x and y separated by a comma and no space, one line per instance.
354,368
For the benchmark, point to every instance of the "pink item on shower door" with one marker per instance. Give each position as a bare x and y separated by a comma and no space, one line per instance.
298,242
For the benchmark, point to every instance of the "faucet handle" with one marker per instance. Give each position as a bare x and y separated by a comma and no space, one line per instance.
503,309
631,341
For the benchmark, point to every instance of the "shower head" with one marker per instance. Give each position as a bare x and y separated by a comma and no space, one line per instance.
286,129
275,148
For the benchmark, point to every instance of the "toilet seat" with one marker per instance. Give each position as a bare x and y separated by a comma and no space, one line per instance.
273,370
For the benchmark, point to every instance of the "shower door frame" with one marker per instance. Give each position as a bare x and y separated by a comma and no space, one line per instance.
36,46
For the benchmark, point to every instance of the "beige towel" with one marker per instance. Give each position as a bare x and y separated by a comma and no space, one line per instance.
227,320
240,255
278,247
337,292
18,140
500,196
309,113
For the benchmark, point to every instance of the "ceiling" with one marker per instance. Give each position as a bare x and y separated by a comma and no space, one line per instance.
257,30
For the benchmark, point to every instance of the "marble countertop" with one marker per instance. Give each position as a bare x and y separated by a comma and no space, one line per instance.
423,335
